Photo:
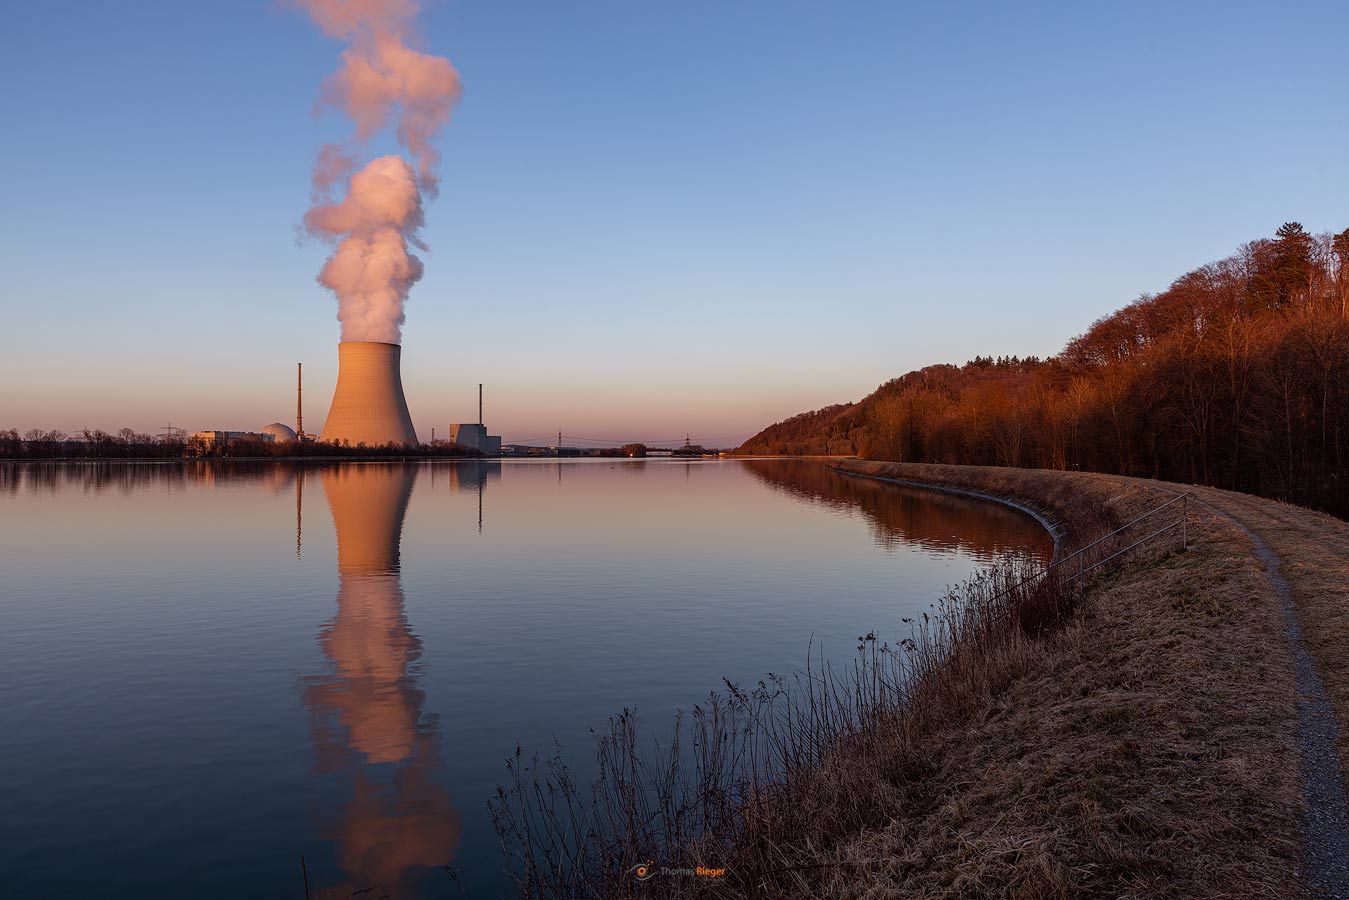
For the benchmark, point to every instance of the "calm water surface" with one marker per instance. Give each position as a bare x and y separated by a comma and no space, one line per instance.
207,671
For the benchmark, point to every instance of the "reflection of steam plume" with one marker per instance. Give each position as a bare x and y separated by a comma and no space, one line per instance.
367,713
381,79
372,647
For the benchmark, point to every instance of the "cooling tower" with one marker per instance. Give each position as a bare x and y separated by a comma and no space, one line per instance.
368,405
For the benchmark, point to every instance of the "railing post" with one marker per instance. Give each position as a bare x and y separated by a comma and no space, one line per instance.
1185,522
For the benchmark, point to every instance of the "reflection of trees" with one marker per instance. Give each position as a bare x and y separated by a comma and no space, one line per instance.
904,515
131,477
98,477
367,711
10,476
128,477
50,478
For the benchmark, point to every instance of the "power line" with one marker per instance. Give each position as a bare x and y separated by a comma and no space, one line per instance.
560,437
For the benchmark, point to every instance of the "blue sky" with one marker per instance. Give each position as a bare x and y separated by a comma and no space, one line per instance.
656,217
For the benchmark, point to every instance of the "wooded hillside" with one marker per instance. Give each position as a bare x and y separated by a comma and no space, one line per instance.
1237,375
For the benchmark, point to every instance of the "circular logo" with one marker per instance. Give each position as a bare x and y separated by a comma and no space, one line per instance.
642,872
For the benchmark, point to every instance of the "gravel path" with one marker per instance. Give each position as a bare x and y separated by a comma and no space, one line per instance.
1325,822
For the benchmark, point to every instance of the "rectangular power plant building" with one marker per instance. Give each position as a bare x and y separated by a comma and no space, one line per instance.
475,437
210,438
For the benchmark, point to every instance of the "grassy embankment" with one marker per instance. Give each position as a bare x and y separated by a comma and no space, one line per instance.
1144,750
1135,738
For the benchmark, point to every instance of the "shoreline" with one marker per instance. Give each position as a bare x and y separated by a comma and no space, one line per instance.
1135,732
1289,591
1056,530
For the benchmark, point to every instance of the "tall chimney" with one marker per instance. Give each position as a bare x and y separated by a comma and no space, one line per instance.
368,404
299,401
480,403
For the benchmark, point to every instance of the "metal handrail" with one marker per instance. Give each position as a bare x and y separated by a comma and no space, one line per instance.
1184,499
1183,521
1137,543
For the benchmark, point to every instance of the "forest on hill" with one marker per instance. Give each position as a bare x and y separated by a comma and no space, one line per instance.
1237,375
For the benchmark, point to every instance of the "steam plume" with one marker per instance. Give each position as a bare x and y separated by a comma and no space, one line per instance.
382,80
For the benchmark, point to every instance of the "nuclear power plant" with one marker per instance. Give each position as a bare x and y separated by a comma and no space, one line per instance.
368,404
368,409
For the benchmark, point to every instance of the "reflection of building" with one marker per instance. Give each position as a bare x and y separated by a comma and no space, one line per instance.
469,475
466,475
367,711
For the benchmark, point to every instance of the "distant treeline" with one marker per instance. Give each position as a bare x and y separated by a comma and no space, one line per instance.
1237,375
125,444
128,444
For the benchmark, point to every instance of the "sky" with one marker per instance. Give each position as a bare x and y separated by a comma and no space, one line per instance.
655,218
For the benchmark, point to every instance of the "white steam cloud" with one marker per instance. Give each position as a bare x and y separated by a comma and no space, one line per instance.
382,80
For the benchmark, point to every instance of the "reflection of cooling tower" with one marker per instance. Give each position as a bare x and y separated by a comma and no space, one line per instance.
368,405
400,822
370,640
368,504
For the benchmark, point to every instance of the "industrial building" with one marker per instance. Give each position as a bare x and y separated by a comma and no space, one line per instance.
474,435
210,438
280,433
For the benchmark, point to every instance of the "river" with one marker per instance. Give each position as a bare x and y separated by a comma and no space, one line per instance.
209,671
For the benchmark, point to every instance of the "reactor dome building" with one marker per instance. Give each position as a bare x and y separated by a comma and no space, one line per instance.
281,433
368,404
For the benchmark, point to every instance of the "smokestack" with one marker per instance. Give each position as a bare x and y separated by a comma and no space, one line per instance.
480,404
299,401
368,404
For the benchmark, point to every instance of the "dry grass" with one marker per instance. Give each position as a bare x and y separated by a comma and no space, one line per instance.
1135,742
756,780
1314,548
1146,751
